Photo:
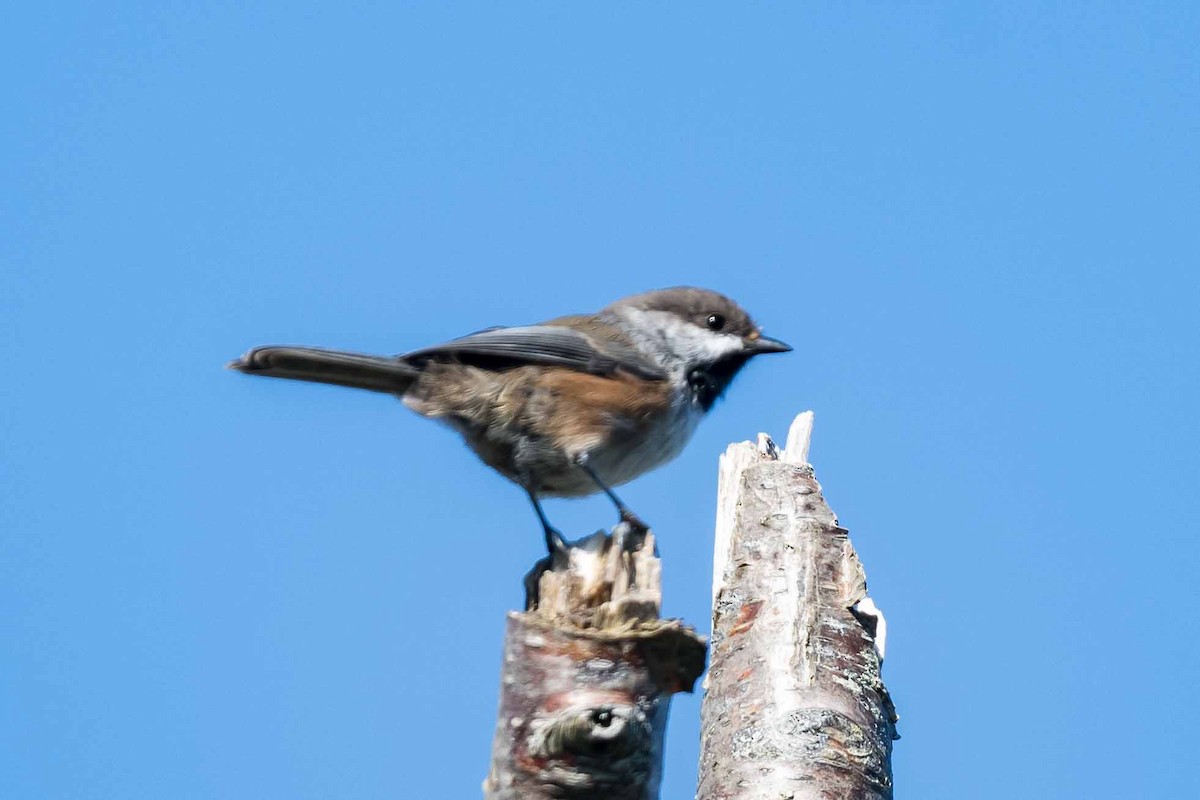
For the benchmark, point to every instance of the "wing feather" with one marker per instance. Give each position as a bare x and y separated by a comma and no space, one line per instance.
549,345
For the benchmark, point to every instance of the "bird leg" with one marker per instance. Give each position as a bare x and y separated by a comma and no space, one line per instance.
626,514
556,545
557,554
627,535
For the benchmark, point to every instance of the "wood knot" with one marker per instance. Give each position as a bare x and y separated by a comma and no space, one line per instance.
593,750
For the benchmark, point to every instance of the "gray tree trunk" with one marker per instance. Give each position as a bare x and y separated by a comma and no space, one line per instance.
795,707
588,676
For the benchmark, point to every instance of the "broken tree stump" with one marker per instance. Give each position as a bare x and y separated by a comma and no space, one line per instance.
794,706
588,675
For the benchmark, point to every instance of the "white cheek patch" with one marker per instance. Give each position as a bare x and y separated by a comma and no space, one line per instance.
715,346
683,342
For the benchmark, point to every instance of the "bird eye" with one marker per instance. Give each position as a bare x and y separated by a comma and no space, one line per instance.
715,322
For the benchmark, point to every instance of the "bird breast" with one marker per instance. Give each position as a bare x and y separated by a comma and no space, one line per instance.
532,423
653,444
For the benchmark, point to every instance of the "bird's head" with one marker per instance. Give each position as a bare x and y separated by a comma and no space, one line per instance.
697,333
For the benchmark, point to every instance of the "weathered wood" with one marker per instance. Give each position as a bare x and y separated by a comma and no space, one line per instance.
587,677
794,706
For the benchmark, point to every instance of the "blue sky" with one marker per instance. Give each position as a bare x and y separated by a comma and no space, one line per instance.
977,224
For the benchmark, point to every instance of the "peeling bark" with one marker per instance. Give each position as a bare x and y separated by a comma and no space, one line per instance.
587,677
795,707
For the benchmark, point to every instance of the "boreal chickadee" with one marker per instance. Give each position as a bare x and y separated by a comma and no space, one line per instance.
571,406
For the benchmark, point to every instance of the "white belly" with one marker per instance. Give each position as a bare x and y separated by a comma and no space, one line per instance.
653,447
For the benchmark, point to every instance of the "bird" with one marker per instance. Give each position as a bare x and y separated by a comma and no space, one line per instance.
569,407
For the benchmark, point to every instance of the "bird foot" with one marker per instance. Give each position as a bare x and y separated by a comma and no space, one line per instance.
633,521
627,536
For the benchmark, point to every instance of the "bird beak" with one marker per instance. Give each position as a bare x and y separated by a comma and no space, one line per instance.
765,344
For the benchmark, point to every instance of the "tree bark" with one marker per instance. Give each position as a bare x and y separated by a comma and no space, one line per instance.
794,707
588,674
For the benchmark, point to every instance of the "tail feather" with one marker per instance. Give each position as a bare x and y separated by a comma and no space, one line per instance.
357,370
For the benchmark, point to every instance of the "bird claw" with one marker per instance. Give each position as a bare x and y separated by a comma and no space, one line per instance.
627,536
633,521
533,580
558,549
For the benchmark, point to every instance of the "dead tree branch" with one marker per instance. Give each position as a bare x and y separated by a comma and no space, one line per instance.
795,706
588,675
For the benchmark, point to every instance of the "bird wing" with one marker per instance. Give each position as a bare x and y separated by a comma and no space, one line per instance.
548,345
